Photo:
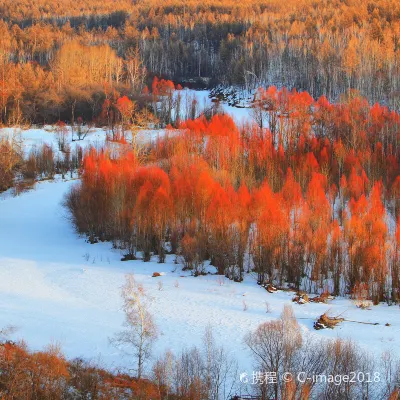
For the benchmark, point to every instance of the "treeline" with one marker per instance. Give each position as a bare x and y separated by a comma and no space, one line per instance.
87,85
121,117
324,47
312,200
48,375
75,84
163,103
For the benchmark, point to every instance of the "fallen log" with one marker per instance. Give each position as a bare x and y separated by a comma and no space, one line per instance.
323,298
324,321
301,298
271,289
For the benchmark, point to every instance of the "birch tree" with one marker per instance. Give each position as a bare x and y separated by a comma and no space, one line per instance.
139,331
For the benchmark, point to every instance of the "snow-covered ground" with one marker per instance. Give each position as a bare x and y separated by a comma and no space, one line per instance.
56,288
36,137
238,114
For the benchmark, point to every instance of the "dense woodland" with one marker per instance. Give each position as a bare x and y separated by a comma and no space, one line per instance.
57,57
312,200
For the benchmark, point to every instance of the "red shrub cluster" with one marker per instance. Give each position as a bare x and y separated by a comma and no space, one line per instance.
48,375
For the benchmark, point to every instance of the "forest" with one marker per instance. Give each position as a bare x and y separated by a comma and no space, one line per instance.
47,50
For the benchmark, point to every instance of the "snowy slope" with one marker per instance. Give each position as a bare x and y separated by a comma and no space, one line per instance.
55,287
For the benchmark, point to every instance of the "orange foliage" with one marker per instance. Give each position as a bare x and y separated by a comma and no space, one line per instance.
307,206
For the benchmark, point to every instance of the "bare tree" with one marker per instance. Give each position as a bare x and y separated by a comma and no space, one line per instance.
10,157
61,132
163,372
318,368
140,330
219,368
203,374
277,348
136,71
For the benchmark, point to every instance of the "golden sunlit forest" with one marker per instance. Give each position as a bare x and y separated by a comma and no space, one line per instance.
324,47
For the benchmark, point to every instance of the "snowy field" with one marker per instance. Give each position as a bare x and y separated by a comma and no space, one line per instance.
57,288
36,137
